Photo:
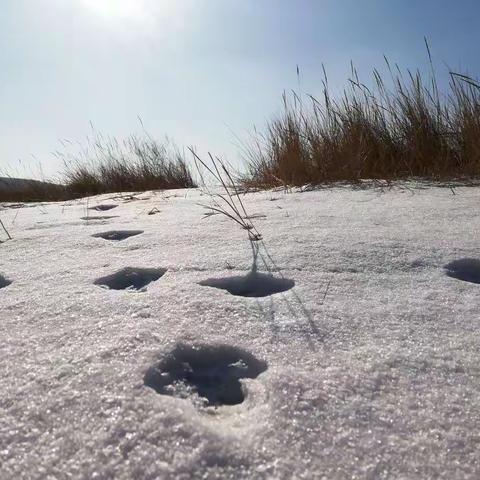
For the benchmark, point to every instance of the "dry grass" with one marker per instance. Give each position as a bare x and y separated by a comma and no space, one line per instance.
228,201
405,130
105,165
397,129
136,164
5,230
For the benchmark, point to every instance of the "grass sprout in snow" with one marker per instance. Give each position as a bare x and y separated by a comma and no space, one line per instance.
229,202
5,229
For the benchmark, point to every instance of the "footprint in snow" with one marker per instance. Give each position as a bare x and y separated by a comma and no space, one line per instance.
4,282
131,278
254,284
209,375
101,217
104,207
117,235
466,269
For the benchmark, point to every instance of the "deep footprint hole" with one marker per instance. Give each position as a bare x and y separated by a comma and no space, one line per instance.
207,374
466,269
131,278
100,217
117,235
103,208
253,284
4,281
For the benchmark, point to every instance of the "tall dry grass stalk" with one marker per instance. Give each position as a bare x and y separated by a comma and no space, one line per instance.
227,201
406,129
5,230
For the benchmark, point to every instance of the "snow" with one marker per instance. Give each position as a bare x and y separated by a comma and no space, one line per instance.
371,358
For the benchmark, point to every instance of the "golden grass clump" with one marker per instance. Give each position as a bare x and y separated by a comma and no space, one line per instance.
136,164
406,130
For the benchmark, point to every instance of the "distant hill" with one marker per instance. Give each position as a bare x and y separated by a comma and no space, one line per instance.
22,189
8,183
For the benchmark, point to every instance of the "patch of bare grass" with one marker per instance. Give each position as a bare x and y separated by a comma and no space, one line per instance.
106,165
135,164
406,129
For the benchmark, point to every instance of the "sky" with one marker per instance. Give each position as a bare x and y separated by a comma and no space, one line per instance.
202,72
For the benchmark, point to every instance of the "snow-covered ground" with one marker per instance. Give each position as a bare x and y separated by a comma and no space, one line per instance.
367,368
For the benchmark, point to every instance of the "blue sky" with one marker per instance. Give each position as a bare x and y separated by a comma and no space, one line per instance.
196,70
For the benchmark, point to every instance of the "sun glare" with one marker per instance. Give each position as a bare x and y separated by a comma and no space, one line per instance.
115,8
129,9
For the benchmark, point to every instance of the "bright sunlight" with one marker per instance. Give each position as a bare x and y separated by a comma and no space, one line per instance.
129,9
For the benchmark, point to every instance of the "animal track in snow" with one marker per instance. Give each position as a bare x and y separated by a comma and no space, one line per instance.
207,374
253,284
103,208
466,269
117,235
254,216
101,217
4,282
131,278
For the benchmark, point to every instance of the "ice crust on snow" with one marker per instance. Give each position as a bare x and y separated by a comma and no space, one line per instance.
372,356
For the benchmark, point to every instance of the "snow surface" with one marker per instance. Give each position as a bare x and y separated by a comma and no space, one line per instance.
372,357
